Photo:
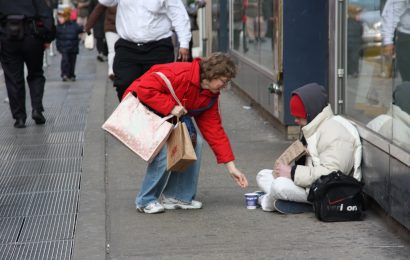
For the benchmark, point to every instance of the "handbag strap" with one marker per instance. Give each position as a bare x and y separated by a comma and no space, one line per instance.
169,85
171,89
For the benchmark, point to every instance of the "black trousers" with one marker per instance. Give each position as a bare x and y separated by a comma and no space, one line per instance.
101,45
132,60
403,55
13,56
68,61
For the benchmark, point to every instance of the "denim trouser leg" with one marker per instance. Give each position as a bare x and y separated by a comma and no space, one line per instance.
154,181
183,185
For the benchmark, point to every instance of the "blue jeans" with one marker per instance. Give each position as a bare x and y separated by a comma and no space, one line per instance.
179,185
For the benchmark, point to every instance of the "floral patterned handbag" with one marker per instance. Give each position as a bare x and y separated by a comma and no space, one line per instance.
141,130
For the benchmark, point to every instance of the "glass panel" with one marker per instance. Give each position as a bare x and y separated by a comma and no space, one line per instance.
396,39
253,30
378,62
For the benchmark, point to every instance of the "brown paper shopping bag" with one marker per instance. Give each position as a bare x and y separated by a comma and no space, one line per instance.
180,152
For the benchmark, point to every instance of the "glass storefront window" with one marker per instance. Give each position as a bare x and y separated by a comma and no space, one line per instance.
378,65
252,30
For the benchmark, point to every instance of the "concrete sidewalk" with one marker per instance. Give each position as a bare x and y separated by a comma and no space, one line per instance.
224,229
101,221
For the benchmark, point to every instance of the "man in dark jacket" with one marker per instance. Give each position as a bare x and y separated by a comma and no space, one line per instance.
26,28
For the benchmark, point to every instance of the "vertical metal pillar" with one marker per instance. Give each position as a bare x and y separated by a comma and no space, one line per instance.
223,36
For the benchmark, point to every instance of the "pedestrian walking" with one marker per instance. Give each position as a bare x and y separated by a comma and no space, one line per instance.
26,29
192,7
197,84
67,41
145,29
111,35
396,34
98,31
332,142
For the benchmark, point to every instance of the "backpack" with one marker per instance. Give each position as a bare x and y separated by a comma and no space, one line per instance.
337,197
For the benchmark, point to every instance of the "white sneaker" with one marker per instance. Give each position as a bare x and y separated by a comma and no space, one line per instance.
171,203
152,208
264,203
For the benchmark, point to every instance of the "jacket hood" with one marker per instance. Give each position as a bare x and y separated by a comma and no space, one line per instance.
314,98
401,96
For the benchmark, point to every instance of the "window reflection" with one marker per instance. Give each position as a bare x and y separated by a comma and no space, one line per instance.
253,29
378,64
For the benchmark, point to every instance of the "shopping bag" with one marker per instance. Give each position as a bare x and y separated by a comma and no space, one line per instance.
89,41
180,152
141,130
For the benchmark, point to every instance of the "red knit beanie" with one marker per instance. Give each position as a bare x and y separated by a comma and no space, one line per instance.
297,109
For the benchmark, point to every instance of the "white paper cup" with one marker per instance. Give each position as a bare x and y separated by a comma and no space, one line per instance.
251,200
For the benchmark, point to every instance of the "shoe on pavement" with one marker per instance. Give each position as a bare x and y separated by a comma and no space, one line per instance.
20,123
292,207
264,203
152,208
171,203
38,117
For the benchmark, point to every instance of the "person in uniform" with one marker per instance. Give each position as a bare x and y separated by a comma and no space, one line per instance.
26,29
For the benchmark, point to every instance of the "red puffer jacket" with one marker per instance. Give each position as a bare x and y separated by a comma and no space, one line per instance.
185,79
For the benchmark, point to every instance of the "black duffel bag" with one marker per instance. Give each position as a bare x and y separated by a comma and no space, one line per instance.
337,197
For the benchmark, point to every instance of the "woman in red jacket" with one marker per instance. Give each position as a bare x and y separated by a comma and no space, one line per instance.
197,84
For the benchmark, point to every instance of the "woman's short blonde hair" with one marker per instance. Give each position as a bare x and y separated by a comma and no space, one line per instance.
218,65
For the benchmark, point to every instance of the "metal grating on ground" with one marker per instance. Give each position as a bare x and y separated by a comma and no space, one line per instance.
56,250
23,167
18,184
40,173
63,165
47,228
7,130
25,152
66,137
69,128
31,129
36,139
14,205
6,252
10,229
59,182
70,119
5,151
7,140
74,110
54,203
64,150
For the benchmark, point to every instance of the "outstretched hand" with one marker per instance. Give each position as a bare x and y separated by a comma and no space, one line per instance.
237,175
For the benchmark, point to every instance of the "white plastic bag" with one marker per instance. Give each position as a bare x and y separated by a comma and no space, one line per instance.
89,41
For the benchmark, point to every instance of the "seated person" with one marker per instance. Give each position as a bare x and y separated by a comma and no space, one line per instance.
332,144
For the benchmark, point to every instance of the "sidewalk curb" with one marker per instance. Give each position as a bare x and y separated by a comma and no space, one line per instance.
90,240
